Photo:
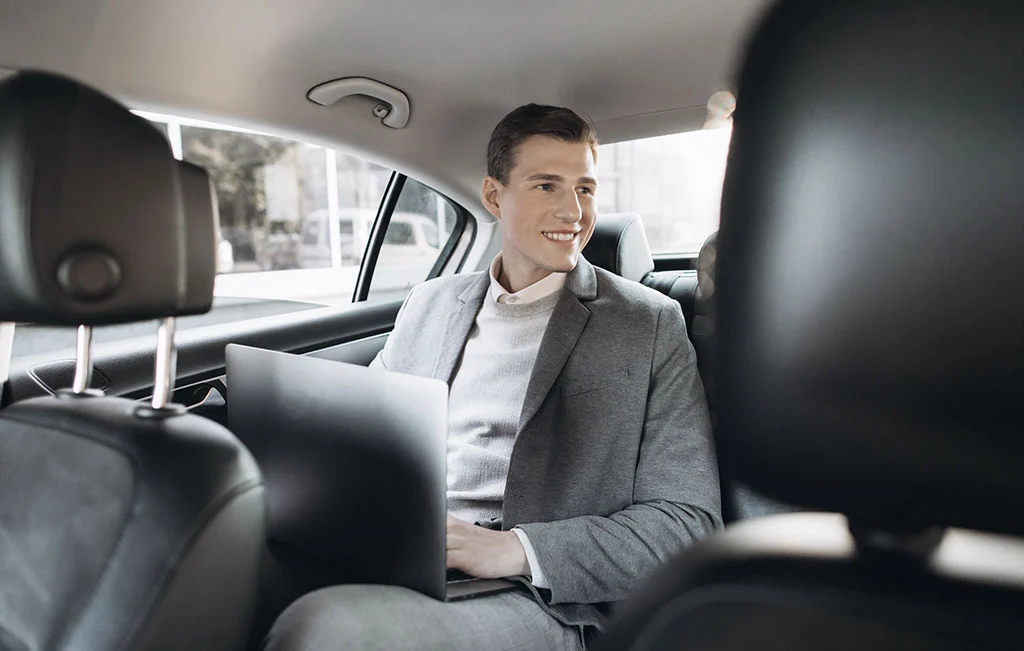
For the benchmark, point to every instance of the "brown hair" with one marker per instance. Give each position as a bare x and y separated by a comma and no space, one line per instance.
534,120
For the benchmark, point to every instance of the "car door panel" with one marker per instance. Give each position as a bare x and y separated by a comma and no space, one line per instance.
358,351
352,333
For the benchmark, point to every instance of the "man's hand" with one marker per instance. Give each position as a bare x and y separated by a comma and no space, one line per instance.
484,553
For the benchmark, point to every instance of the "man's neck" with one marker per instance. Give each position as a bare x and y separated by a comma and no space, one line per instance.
515,282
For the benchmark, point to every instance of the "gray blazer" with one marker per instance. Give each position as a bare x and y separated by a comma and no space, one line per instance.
613,469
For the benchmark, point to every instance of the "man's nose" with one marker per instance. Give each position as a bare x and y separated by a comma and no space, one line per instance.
569,209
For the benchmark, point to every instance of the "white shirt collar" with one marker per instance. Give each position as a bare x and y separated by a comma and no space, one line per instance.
544,287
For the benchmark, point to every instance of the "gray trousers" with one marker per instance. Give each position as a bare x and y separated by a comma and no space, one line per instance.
388,618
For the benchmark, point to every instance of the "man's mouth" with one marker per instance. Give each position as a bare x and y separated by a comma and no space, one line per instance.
560,237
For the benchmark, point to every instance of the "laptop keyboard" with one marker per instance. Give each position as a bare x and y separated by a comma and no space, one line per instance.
456,575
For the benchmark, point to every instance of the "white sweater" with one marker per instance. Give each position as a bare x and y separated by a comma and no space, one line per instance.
486,400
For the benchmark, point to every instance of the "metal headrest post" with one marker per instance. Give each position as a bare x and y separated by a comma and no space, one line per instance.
166,364
83,361
6,348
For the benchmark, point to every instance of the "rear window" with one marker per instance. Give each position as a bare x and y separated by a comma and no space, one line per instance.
674,182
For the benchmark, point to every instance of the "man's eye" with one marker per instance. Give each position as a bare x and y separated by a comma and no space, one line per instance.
587,190
546,187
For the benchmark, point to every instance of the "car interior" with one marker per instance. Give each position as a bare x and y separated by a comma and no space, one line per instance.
821,187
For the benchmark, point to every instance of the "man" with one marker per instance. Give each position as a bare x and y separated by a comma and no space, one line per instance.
580,453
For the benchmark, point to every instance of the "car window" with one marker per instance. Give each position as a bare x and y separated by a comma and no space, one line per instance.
430,234
295,222
311,233
674,182
409,259
400,234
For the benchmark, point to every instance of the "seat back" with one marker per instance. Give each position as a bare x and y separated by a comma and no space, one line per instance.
862,166
125,526
619,245
739,501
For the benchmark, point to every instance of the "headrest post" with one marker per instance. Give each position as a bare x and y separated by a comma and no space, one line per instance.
166,364
83,361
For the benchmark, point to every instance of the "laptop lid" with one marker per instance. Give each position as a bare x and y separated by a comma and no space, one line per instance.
353,459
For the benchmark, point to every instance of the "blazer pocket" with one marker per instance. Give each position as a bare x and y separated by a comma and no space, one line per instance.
581,386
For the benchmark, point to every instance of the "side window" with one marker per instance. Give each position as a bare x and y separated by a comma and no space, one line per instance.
272,195
282,239
430,234
420,226
674,182
400,233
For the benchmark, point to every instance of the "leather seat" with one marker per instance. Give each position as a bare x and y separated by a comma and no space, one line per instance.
681,286
862,166
619,245
124,525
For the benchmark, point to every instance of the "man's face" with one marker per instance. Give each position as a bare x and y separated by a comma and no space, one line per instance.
547,209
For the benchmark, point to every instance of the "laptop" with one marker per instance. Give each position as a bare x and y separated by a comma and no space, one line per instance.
354,463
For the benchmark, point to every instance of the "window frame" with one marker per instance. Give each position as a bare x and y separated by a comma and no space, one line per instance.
379,231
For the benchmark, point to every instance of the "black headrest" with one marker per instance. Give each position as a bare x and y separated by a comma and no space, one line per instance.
92,219
619,245
870,262
203,233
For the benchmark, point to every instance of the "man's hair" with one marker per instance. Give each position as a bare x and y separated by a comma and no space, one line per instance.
534,120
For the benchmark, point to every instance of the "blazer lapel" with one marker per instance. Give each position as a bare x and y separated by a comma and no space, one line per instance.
564,329
460,322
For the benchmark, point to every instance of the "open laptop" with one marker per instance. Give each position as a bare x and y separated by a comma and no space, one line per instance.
354,463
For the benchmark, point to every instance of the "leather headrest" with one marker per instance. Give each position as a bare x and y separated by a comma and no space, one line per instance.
91,213
870,262
203,234
619,245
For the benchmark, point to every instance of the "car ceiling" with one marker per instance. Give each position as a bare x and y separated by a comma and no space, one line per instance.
638,69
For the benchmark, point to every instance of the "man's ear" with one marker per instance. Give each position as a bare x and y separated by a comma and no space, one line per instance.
490,195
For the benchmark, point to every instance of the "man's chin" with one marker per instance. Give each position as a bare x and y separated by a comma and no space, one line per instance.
563,265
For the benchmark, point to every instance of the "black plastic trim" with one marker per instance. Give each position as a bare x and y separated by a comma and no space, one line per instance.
129,364
364,283
376,239
675,262
472,225
461,217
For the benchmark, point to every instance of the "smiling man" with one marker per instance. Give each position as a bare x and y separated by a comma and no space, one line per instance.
579,450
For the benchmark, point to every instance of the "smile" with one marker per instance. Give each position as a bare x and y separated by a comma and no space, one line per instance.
561,237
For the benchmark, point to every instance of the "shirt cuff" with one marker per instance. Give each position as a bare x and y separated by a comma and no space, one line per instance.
537,577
